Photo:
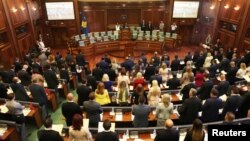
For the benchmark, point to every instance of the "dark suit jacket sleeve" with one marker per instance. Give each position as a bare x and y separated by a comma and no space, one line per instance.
183,107
100,109
188,137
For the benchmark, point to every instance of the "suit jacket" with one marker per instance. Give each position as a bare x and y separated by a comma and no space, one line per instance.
91,81
69,109
245,105
156,77
103,65
128,65
80,60
83,92
210,109
38,94
93,110
3,90
189,110
222,88
224,64
150,70
173,83
107,136
175,65
141,113
213,70
185,90
25,77
97,73
167,135
200,61
231,75
232,104
111,73
64,74
20,92
49,135
51,79
204,92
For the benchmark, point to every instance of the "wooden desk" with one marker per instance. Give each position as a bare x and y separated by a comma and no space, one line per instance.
10,135
63,90
53,101
36,114
73,82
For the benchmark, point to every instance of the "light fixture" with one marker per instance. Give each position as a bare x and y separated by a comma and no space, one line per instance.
211,7
236,8
226,6
34,8
14,10
22,8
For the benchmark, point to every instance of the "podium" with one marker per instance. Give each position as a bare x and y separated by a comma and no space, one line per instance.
125,35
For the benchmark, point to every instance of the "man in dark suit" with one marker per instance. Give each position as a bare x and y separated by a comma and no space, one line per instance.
156,60
174,82
24,76
210,109
128,64
149,71
107,135
233,102
190,108
70,108
80,60
156,77
69,58
64,74
93,110
83,92
247,122
50,77
38,93
141,113
19,90
111,73
185,90
245,105
168,134
224,64
175,64
231,73
91,82
97,73
213,69
48,134
103,65
204,92
223,86
200,61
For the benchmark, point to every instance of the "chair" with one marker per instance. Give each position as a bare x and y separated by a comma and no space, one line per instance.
116,33
81,43
131,28
77,38
141,32
112,37
174,36
147,32
134,35
105,38
168,35
90,34
109,33
96,34
154,37
92,40
103,33
147,37
140,37
161,38
161,33
83,36
138,28
99,39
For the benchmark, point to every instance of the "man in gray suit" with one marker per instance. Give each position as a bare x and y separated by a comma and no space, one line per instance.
141,113
93,110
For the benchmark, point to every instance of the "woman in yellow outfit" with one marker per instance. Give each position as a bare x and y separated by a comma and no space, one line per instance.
101,94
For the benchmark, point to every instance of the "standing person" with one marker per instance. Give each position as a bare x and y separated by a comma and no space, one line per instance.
154,94
47,134
123,94
161,26
196,133
141,113
83,92
117,27
107,135
143,25
169,134
137,93
173,28
102,95
164,110
77,132
93,110
70,108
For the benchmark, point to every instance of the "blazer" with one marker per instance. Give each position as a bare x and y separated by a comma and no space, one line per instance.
204,92
232,104
69,109
20,92
189,110
141,113
175,65
210,109
107,136
25,77
49,135
64,74
98,73
80,60
51,79
93,111
38,94
168,135
245,105
173,83
156,77
83,92
150,70
185,90
222,88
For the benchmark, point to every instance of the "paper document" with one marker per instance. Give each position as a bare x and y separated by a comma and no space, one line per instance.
26,111
3,109
118,117
57,127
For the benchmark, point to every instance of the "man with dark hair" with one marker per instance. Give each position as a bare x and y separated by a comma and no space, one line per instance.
83,92
204,92
173,83
169,134
107,135
185,90
48,134
229,119
93,110
175,64
141,113
156,77
210,109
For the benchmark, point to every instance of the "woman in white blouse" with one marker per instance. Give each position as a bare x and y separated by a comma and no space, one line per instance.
154,94
242,71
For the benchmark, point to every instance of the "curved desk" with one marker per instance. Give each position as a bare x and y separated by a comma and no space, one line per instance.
128,47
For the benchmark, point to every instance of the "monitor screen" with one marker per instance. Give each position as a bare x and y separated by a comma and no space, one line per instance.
185,9
60,10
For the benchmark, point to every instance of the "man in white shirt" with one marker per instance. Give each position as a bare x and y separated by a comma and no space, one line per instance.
173,28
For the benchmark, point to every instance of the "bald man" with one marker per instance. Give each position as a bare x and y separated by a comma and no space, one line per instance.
70,108
169,134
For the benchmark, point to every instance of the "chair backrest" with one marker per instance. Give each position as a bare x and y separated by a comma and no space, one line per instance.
83,36
103,33
141,32
92,40
174,36
109,33
138,28
105,38
161,33
96,34
147,32
90,34
140,37
168,35
99,38
81,43
161,38
112,37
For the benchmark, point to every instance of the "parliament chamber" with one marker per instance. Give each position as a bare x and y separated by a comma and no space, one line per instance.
141,62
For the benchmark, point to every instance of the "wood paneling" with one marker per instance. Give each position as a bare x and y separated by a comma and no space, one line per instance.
2,19
227,39
24,44
7,56
122,16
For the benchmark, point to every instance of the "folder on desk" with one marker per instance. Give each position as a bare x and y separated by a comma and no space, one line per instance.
100,127
57,127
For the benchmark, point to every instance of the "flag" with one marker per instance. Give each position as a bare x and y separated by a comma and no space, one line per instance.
84,25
